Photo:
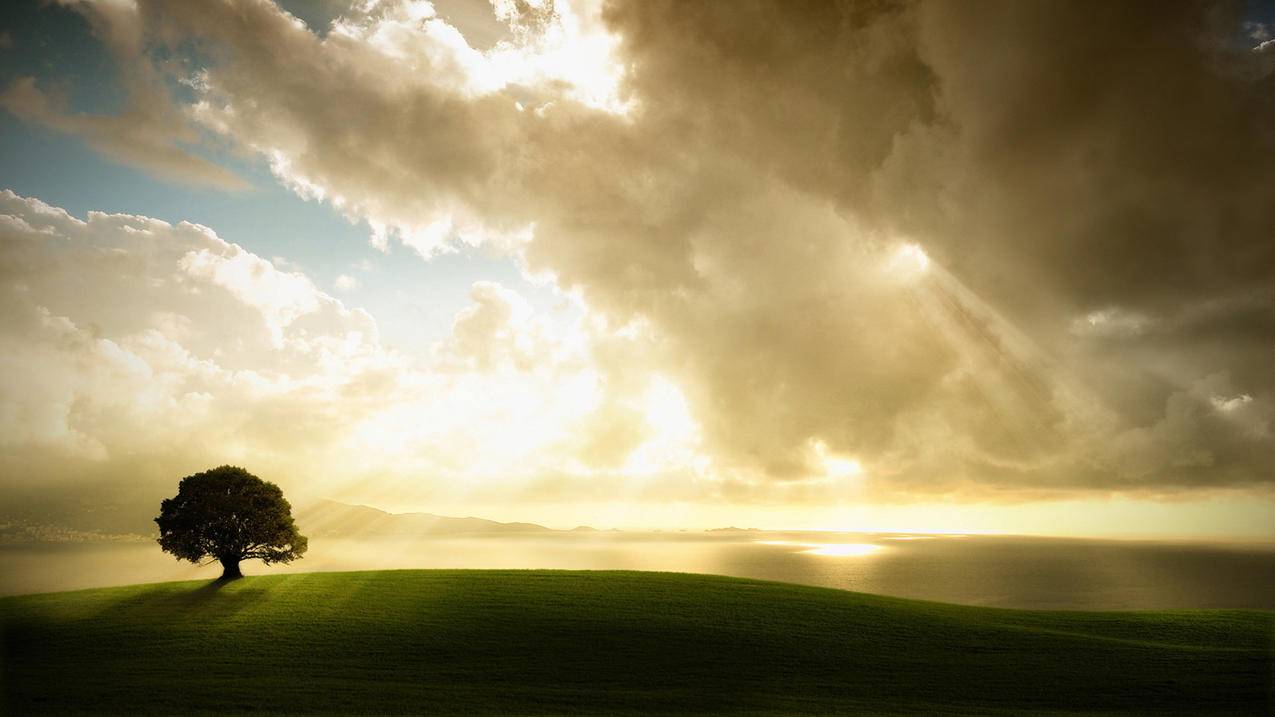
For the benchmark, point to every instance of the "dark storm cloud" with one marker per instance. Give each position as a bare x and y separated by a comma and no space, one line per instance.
1062,161
1120,154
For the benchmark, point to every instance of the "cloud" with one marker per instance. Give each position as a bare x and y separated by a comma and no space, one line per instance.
138,351
1009,257
129,332
150,132
498,329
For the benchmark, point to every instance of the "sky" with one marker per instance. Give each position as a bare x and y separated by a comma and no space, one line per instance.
917,266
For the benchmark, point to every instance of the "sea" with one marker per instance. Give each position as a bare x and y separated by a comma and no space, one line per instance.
986,570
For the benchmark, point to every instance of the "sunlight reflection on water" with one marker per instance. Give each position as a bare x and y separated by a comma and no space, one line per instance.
843,550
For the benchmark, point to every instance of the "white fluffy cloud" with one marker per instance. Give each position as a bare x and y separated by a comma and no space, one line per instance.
128,331
130,339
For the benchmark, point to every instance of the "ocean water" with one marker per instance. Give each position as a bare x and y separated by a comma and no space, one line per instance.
1000,571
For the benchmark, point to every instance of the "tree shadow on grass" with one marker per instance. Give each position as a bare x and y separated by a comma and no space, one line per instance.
179,602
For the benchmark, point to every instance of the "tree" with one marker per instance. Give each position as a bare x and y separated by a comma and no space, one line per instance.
229,515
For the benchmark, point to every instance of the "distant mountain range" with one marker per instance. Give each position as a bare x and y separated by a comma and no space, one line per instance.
333,519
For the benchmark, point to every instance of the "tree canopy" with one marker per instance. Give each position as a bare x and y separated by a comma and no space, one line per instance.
229,515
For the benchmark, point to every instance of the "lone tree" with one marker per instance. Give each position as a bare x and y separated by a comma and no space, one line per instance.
229,515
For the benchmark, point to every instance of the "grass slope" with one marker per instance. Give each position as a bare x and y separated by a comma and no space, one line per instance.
607,642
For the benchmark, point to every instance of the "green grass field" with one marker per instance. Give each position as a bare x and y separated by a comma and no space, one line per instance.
551,642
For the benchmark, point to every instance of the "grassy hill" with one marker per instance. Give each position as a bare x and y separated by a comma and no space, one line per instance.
608,642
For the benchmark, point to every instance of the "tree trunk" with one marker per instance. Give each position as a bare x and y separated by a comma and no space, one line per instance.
230,569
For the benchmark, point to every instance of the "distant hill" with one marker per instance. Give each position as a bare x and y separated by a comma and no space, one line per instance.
333,519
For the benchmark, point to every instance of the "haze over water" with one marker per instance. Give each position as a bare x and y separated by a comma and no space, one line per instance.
999,571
